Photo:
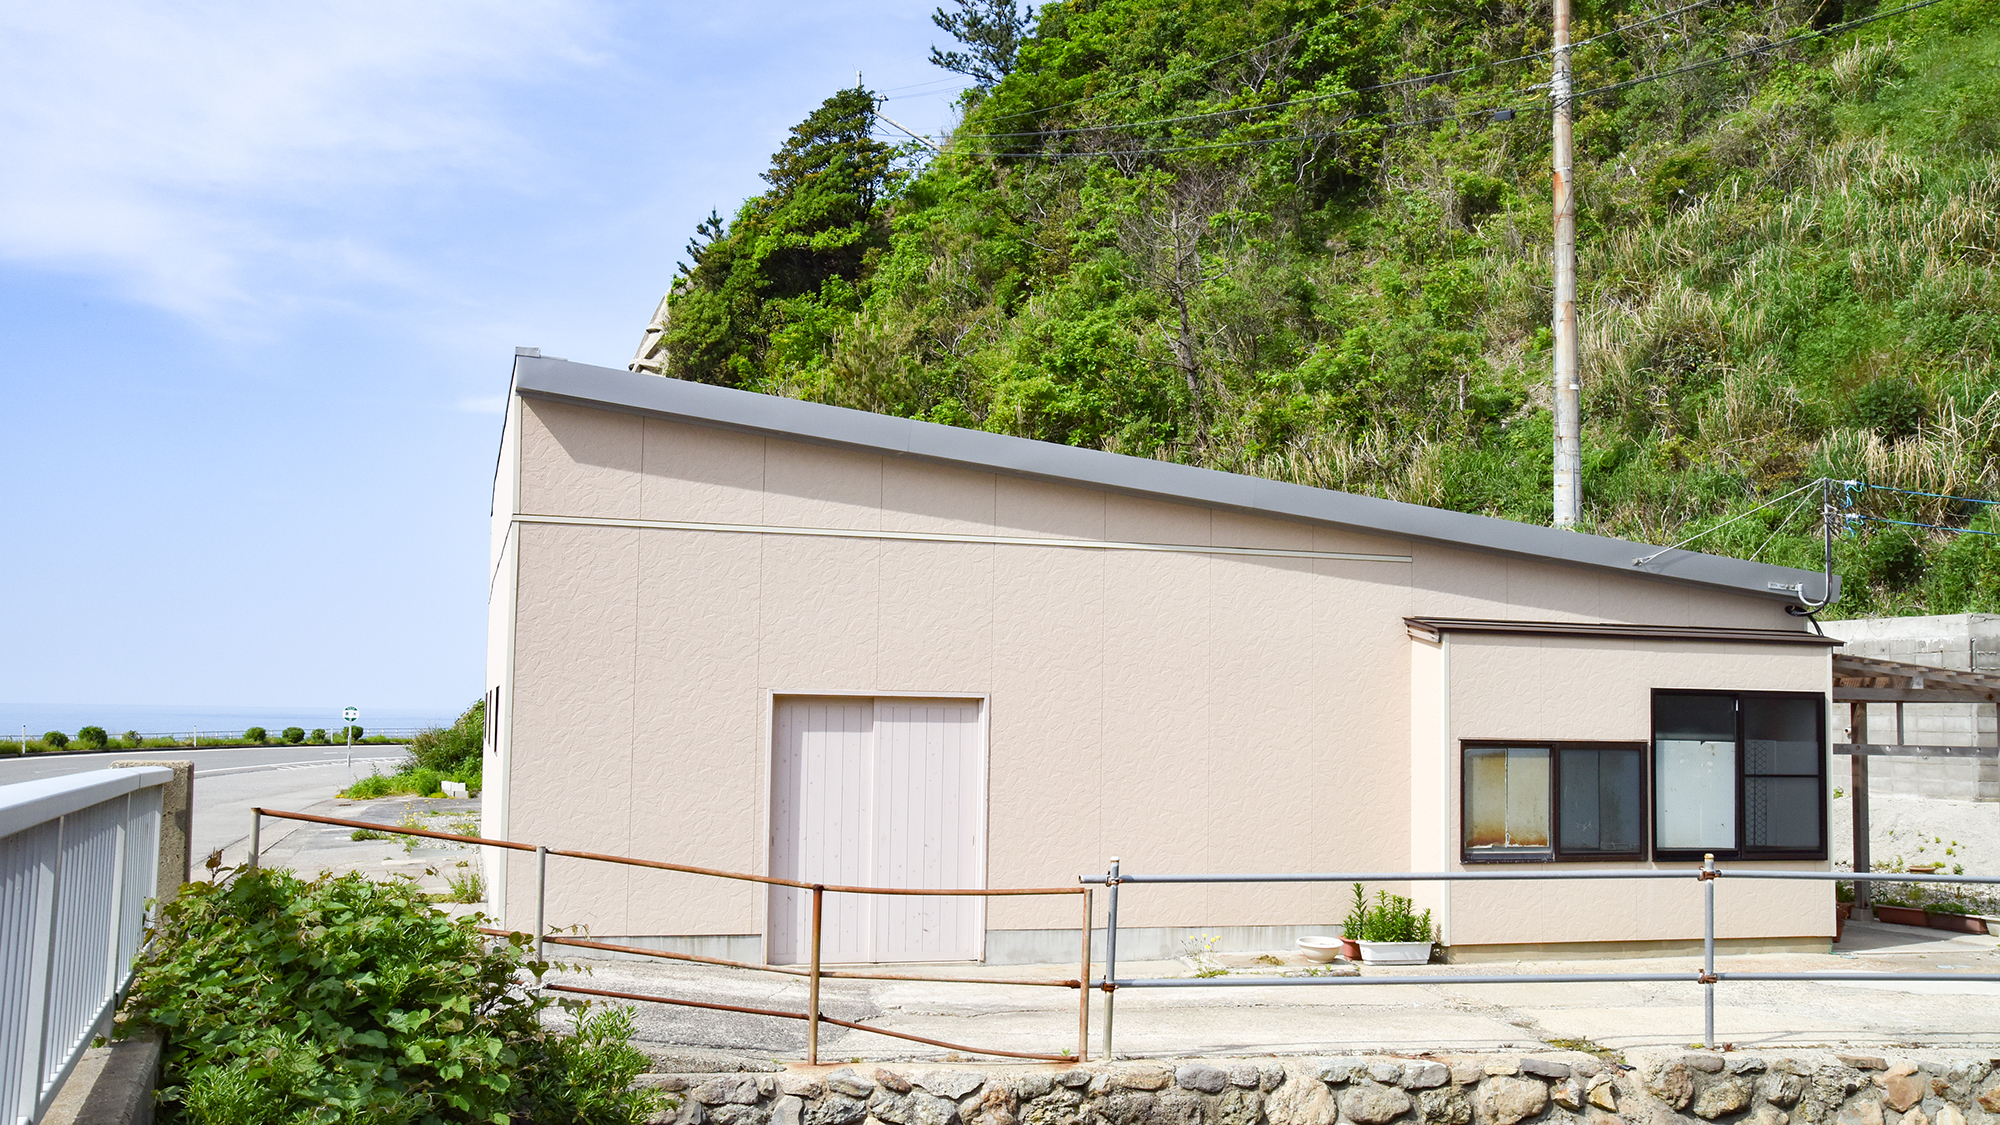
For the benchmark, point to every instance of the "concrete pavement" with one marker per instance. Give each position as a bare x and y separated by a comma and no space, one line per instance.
1356,1017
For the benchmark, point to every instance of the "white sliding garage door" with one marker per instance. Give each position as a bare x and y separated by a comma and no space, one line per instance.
882,793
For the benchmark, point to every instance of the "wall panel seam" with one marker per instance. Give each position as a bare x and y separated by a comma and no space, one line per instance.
946,537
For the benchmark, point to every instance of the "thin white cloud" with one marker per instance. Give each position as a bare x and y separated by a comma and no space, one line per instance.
217,159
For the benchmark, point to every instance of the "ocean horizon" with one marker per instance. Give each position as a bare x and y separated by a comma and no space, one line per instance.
174,718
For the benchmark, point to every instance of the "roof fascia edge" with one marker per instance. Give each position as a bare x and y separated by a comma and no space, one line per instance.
704,404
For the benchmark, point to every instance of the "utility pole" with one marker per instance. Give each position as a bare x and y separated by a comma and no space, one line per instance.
1568,410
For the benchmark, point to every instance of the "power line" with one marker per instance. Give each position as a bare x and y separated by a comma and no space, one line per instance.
1912,523
1357,91
1932,495
1814,483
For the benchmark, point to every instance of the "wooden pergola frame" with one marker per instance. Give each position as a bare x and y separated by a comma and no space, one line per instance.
1861,680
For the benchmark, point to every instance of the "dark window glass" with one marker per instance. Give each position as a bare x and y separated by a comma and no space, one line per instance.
1781,763
1602,791
1739,774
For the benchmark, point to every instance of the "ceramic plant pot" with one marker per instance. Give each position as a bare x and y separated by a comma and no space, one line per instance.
1350,949
1395,952
1320,949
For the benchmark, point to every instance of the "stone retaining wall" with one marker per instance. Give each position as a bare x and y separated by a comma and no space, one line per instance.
1648,1088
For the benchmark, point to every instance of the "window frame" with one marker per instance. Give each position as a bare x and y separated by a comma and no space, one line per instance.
1741,851
1555,747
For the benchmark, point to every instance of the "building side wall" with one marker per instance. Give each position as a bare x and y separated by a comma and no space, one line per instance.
1567,688
1183,711
502,588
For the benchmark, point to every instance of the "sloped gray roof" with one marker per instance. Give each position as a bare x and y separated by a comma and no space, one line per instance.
605,388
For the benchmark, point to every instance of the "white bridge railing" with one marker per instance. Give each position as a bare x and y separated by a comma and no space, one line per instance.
79,857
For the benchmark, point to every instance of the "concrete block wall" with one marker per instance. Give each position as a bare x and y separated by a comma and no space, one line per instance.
1965,642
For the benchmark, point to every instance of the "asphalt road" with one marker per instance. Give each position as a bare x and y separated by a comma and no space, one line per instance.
228,782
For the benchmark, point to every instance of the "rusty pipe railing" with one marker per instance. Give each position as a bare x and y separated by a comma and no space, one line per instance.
814,971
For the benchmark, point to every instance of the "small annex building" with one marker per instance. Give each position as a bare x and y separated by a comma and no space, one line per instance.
765,635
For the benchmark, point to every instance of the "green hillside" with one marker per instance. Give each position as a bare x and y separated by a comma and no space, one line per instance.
1303,239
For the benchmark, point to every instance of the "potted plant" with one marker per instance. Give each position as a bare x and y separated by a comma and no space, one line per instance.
1350,927
1392,933
1954,917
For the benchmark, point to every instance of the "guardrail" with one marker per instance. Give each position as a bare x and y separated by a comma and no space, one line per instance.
1707,977
1110,982
79,857
194,739
814,972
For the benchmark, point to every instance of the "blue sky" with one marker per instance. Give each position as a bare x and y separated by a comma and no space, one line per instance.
262,271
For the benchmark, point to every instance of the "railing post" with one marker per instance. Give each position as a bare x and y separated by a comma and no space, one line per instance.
1110,955
1857,769
256,825
1083,988
46,883
113,944
812,985
1708,951
541,898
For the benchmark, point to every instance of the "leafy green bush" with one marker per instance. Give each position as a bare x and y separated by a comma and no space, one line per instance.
345,734
132,738
93,738
376,784
1892,406
256,734
342,999
454,751
318,734
294,735
55,740
407,782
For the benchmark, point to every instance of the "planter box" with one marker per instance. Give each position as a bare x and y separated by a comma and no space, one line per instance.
1900,915
1957,923
1395,952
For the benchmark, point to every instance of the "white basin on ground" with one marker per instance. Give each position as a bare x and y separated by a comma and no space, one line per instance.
1319,948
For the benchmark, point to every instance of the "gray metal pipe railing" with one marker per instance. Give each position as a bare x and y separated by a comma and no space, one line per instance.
1708,976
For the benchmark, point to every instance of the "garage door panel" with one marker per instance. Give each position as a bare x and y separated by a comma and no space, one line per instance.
881,792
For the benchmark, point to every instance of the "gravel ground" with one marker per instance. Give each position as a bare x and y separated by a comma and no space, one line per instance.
1899,826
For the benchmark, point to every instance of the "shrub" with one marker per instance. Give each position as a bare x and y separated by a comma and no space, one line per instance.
55,740
454,751
93,738
346,733
343,999
256,734
294,735
132,738
1893,557
374,785
318,734
1892,406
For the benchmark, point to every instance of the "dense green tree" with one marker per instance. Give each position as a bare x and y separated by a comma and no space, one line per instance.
755,292
992,30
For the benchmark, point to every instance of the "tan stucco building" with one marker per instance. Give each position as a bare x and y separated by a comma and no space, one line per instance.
772,636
